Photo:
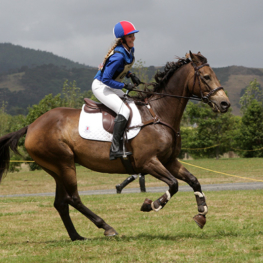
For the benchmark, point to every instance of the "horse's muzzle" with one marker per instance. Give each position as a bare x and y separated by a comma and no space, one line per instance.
224,105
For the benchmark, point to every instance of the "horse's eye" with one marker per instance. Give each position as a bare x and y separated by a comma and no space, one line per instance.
207,77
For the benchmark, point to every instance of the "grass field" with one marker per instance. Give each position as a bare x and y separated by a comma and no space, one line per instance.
32,231
26,182
12,82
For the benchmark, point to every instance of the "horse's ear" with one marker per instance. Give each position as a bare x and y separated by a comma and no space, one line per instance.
187,55
191,54
194,59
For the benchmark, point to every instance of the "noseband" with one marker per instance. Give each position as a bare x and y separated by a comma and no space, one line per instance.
198,76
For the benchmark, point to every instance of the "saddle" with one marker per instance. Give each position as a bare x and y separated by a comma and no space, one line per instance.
108,115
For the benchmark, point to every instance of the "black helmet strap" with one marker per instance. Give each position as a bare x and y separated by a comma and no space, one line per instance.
125,42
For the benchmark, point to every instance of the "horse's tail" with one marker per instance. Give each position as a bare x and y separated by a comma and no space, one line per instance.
9,141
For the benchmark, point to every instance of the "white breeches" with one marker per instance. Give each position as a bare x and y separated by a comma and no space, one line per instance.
110,98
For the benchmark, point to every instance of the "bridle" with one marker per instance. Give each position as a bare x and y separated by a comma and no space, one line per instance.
155,119
198,76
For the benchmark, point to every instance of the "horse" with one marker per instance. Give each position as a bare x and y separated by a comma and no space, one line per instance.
54,143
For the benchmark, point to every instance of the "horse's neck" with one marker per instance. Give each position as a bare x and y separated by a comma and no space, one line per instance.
170,109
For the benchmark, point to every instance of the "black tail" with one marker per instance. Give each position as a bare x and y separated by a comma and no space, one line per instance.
9,141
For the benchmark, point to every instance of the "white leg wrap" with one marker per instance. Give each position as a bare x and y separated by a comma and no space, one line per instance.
156,209
199,194
205,207
168,195
205,212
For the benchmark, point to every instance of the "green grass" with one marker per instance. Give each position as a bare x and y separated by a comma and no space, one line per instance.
40,182
12,82
233,232
242,167
32,231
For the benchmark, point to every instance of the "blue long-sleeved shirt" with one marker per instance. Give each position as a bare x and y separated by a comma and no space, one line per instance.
115,65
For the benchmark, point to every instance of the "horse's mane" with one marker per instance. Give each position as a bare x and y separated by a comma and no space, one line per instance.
162,78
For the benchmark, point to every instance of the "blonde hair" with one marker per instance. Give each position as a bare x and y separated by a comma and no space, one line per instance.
118,41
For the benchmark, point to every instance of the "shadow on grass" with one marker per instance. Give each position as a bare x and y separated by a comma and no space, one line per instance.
219,234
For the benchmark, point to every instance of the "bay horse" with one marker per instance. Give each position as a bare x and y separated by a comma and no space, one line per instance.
54,143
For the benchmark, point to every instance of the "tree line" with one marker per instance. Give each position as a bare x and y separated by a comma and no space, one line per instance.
209,135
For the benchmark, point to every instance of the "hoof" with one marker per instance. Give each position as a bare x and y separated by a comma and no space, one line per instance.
118,189
200,220
110,232
146,206
78,238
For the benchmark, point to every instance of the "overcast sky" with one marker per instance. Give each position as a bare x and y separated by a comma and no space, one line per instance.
227,32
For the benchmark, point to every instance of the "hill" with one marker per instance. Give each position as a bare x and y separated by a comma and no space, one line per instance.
235,79
13,57
28,87
27,75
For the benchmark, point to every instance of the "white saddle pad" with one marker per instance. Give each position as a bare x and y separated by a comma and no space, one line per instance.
91,128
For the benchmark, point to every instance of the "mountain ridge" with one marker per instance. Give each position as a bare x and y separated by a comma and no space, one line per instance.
13,57
27,75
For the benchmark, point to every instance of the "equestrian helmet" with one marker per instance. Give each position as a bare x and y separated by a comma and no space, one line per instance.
124,28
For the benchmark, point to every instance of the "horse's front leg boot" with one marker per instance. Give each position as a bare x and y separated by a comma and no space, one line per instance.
146,206
200,219
201,203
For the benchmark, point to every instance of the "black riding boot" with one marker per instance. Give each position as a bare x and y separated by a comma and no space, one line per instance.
118,130
142,183
119,187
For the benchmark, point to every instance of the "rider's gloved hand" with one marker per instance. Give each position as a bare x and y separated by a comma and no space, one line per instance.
129,86
135,79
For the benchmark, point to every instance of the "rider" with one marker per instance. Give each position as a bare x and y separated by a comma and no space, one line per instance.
107,86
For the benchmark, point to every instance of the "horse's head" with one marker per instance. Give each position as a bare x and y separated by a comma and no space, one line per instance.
205,85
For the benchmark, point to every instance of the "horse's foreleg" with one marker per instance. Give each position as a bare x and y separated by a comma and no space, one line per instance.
180,172
156,169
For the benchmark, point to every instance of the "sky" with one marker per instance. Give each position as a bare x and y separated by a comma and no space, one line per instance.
226,32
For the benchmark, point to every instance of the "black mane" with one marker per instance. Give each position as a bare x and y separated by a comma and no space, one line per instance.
162,78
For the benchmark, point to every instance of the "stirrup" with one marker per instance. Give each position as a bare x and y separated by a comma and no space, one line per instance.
115,155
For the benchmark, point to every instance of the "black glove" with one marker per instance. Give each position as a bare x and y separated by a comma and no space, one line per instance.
129,86
135,80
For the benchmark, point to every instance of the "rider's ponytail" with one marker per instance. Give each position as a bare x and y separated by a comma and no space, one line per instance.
117,42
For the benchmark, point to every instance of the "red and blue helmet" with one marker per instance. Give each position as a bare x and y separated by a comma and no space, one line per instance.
124,28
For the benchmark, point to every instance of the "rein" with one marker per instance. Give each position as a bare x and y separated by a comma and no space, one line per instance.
205,99
198,76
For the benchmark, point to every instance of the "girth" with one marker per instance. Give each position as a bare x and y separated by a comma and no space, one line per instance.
108,115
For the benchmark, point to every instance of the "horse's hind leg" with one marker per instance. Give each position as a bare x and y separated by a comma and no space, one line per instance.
70,183
67,193
61,205
180,172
